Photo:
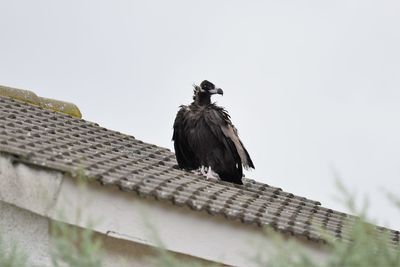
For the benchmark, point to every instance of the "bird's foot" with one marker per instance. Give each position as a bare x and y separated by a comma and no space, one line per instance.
203,170
211,175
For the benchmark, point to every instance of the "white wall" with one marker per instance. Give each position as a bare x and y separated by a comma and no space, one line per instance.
27,230
30,233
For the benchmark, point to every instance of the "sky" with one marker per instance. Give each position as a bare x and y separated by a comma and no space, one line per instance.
313,86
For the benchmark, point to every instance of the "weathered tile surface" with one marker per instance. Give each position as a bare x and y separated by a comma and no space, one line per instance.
56,141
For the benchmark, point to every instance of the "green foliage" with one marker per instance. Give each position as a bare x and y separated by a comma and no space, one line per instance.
70,246
168,259
13,257
394,199
74,247
369,246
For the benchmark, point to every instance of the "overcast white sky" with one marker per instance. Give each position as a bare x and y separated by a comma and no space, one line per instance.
312,86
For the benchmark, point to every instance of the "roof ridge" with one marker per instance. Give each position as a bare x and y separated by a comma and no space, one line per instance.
31,98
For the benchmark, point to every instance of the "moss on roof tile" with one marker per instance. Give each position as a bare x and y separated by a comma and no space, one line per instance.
19,94
46,103
60,106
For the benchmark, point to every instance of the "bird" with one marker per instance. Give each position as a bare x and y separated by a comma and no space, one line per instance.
206,140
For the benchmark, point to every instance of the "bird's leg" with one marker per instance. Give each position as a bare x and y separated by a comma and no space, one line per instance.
211,175
203,171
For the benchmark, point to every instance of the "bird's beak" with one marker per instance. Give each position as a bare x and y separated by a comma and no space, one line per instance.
217,91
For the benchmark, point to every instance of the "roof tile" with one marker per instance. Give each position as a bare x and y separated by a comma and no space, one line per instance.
60,142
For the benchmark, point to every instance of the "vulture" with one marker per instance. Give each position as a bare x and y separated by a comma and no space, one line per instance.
206,140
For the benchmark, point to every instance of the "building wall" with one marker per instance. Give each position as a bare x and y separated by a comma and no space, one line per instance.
26,230
30,233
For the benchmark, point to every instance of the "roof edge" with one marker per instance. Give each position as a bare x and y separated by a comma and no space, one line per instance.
31,98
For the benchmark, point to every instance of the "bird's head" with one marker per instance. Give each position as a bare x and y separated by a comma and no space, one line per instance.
207,88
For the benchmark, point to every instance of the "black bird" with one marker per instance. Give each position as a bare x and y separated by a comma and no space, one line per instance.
205,138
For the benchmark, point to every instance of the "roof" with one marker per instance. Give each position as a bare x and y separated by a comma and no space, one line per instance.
46,103
56,141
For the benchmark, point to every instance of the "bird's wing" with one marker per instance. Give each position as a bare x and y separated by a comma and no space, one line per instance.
231,133
184,155
220,124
